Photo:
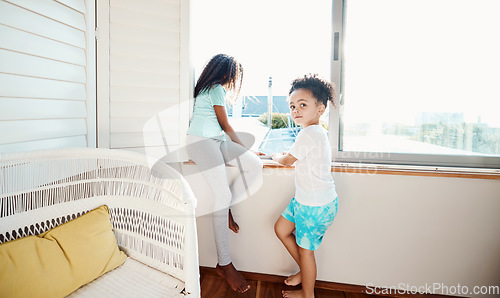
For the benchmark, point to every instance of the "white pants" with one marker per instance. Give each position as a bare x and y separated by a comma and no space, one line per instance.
211,157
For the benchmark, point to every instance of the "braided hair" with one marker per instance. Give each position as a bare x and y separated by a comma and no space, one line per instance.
223,70
321,89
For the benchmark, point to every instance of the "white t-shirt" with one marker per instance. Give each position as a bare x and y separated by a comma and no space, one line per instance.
314,184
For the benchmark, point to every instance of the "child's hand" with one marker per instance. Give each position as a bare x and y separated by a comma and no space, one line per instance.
259,153
284,158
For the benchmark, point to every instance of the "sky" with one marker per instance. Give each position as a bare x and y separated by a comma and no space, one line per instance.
445,52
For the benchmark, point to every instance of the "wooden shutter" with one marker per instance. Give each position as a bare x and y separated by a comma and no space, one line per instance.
143,76
47,74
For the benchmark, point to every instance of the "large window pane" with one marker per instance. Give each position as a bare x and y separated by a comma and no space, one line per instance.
282,39
421,77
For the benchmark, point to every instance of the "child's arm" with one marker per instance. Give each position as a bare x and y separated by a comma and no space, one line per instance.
220,112
285,158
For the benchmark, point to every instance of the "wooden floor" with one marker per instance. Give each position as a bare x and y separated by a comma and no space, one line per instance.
270,286
262,286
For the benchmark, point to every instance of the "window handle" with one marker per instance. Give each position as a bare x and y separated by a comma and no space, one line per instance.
336,40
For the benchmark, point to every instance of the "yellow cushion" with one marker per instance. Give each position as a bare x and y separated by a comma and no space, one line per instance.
59,261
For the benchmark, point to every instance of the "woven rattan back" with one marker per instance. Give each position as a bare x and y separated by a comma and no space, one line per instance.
151,205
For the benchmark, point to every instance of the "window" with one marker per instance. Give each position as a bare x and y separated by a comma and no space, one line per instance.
280,39
418,82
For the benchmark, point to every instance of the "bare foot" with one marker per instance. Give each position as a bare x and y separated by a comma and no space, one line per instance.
292,294
293,280
233,277
233,226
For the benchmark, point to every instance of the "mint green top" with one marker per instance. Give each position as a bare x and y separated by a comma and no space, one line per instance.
204,122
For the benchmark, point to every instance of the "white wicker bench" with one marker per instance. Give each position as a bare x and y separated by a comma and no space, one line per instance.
151,208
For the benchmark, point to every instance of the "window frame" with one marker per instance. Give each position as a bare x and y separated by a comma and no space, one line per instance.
336,123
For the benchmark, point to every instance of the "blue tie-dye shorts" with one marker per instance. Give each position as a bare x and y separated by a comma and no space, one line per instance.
311,222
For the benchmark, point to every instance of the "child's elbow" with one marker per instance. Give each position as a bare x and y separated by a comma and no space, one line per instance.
288,162
224,126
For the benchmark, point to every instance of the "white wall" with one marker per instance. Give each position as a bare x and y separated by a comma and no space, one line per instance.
389,230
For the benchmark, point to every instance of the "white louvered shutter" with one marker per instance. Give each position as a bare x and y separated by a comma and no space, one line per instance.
47,74
144,81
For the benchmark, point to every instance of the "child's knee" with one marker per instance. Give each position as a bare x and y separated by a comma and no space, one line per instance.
259,164
254,163
255,166
278,230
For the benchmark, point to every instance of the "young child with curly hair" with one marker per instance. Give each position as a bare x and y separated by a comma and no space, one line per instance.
315,204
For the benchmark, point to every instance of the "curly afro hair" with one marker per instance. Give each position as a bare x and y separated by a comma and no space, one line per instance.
221,69
321,89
